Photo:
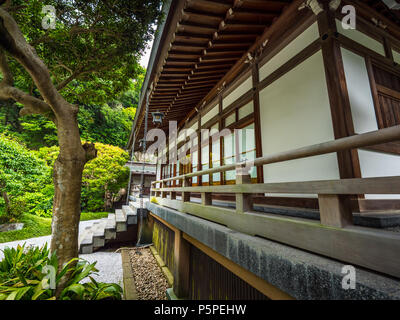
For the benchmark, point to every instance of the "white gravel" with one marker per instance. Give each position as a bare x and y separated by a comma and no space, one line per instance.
109,264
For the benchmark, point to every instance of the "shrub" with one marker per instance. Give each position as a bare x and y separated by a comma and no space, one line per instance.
22,173
20,168
24,276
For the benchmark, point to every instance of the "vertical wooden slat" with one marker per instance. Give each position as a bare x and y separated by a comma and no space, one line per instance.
388,48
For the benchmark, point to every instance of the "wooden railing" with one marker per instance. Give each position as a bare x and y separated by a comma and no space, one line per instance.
334,235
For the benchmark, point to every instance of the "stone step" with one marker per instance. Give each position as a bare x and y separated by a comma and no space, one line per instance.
99,233
86,241
120,219
131,215
110,228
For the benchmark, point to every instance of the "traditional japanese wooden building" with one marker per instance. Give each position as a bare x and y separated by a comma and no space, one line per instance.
318,102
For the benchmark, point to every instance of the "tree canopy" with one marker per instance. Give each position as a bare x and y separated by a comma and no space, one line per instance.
93,52
89,55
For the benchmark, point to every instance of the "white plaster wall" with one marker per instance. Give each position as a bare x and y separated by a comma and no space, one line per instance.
396,56
362,105
238,92
209,115
377,164
361,38
293,48
295,112
246,110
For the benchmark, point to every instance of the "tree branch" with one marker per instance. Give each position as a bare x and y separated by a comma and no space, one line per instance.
31,104
8,78
12,40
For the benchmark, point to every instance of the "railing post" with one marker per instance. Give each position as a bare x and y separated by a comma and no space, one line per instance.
335,210
206,198
243,200
152,193
163,193
185,194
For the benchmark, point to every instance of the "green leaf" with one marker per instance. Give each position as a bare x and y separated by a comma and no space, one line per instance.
76,288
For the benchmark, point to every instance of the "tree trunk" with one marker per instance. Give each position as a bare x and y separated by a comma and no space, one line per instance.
67,179
69,165
7,202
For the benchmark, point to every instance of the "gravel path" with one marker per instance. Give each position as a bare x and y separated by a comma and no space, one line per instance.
149,279
108,263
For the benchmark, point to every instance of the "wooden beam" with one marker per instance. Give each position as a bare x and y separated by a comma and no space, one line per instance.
383,185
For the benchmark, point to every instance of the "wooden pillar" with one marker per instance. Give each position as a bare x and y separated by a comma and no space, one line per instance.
221,140
182,264
342,120
199,183
335,210
257,120
243,200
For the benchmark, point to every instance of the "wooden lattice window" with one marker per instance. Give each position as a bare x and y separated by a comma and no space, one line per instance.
388,90
387,104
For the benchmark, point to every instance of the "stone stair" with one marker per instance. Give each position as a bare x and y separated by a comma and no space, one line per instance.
109,229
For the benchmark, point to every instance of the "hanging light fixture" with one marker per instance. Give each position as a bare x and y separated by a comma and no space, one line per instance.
157,117
141,143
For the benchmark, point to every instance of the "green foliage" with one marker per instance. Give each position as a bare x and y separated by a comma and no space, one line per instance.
34,226
108,123
27,177
37,131
93,215
20,169
104,176
23,174
94,50
24,276
105,124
